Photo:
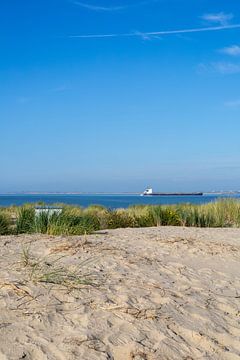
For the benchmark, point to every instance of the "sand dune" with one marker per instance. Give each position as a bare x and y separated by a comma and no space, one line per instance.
156,293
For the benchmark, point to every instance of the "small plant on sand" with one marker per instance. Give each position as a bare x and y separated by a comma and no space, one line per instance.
49,270
62,276
26,256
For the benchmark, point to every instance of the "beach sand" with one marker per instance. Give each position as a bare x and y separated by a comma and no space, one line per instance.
143,294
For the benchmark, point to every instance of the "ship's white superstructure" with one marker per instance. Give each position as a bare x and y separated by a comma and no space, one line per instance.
148,191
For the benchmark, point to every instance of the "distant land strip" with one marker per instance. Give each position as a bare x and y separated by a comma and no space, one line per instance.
227,192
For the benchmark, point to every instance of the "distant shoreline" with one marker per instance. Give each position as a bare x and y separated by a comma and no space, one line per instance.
71,193
108,193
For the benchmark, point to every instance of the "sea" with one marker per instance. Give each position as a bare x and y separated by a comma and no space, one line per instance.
110,201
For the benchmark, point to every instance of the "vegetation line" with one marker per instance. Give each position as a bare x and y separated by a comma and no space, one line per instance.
77,221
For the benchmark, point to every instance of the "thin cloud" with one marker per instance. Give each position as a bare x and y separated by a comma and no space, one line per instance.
223,68
226,68
233,104
97,7
219,18
94,7
233,50
143,36
157,33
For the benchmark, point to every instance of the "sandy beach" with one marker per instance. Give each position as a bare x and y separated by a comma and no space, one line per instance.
154,293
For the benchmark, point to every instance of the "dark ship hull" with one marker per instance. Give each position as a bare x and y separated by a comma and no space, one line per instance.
175,194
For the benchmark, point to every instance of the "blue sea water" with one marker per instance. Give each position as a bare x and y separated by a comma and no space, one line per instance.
109,201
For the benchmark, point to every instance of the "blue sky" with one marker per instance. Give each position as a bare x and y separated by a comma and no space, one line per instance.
155,103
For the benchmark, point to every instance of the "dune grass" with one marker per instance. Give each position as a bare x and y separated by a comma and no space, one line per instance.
72,221
5,223
48,270
77,221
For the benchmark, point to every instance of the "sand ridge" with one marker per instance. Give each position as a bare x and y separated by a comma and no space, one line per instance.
154,293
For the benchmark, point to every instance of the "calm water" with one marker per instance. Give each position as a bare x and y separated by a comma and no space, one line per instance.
110,201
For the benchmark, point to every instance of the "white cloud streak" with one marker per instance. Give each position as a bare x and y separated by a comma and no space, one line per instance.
233,50
157,33
94,7
219,18
97,7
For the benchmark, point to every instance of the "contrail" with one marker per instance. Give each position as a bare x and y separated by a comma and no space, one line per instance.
157,33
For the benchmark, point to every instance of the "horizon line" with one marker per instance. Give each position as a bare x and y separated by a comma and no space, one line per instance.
104,192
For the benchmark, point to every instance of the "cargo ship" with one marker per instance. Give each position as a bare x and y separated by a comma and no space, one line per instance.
150,192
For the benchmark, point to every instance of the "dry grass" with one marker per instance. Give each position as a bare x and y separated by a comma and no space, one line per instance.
49,270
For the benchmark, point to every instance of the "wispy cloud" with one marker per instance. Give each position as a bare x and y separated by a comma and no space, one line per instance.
223,68
111,8
144,36
219,18
98,7
226,68
158,33
233,103
233,50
